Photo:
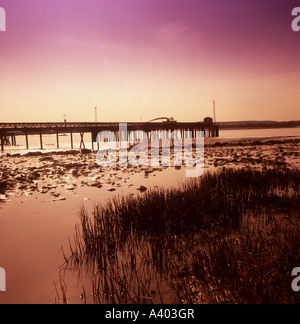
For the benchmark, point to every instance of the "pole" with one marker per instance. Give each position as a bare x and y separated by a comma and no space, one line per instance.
2,143
215,115
57,139
27,142
41,140
96,114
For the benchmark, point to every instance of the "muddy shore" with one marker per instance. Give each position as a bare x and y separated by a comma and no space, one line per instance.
58,173
41,194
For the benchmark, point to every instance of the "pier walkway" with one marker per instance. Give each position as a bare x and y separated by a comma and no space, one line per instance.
10,131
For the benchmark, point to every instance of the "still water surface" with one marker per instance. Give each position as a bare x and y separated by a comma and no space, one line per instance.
250,133
49,141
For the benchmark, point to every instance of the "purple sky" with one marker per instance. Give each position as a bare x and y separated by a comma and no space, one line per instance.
146,58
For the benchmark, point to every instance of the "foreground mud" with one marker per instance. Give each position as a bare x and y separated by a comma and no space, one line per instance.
58,173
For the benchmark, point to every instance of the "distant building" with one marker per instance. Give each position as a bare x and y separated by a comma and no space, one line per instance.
208,121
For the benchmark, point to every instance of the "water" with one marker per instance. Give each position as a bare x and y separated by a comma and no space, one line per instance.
49,141
33,229
260,133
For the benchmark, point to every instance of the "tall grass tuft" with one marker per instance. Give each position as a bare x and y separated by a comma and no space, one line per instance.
228,237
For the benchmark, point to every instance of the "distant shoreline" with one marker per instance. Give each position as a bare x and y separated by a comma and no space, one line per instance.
254,127
257,125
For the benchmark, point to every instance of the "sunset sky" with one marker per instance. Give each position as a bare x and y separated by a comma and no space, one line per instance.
149,58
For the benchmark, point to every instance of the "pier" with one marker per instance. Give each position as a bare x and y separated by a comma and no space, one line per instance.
10,131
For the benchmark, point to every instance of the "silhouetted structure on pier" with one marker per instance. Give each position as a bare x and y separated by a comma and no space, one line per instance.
9,131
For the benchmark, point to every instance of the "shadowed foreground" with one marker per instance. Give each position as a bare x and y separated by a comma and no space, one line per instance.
229,237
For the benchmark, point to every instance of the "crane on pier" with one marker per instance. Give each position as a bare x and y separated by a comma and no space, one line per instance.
164,119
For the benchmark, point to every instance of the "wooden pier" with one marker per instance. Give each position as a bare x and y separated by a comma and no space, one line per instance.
10,131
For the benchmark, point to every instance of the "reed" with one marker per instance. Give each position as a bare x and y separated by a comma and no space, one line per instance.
229,237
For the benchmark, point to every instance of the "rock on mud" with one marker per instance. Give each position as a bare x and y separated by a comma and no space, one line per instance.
3,187
142,189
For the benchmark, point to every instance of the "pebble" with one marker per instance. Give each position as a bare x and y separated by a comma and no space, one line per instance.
44,173
96,184
59,199
3,198
142,189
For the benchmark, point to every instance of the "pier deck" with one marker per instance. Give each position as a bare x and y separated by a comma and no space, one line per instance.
9,131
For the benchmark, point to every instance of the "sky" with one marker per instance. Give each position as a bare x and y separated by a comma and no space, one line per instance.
142,59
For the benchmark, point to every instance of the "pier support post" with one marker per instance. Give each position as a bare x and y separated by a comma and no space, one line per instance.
2,143
41,140
27,142
72,145
92,142
13,140
7,140
82,145
57,140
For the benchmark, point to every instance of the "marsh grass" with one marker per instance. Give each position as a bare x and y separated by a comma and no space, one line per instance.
229,237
